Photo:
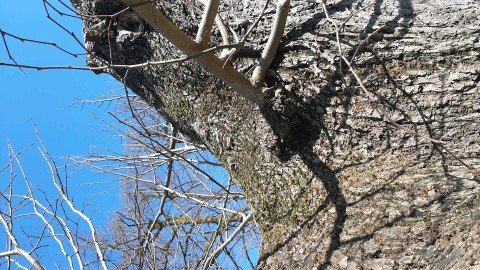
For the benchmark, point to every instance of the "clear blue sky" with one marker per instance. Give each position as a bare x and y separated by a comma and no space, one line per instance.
45,96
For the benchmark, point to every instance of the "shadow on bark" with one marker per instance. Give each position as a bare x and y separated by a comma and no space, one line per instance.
414,212
335,196
298,130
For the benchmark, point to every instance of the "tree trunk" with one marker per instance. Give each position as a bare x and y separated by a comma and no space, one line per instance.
332,183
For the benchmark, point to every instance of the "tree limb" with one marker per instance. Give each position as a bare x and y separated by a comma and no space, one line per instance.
283,6
185,44
208,18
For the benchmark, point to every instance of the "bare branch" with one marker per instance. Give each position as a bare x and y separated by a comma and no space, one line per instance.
71,33
18,250
211,63
208,18
168,178
16,155
222,27
268,54
53,44
230,239
196,220
9,253
55,175
141,65
8,52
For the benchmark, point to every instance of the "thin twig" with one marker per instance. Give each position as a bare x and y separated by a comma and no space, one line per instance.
71,33
9,54
141,65
40,42
36,264
247,34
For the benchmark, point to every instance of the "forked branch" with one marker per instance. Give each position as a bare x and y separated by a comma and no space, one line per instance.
211,63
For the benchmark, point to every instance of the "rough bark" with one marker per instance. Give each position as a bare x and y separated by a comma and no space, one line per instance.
333,185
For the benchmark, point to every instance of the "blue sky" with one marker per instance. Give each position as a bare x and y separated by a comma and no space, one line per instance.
44,97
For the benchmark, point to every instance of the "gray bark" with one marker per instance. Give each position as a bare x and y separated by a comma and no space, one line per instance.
333,185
